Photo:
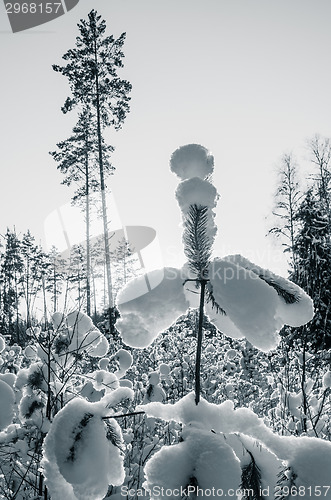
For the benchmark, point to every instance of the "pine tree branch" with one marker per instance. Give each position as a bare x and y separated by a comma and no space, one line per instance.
197,242
211,299
251,480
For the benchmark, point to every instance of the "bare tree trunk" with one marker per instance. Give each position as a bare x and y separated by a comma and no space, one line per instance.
102,185
88,254
199,342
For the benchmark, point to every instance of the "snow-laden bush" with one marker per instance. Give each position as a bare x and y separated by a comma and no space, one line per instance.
82,452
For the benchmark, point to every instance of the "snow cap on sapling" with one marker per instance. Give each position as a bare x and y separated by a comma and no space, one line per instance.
192,160
196,191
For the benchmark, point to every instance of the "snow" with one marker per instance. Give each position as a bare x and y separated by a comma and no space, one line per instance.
7,398
30,351
145,316
77,328
248,302
223,322
79,321
196,191
31,408
2,343
57,319
309,457
79,461
326,379
113,398
192,160
202,455
296,314
124,358
253,307
102,379
9,378
100,349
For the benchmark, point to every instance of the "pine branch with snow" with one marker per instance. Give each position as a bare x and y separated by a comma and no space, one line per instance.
197,241
251,479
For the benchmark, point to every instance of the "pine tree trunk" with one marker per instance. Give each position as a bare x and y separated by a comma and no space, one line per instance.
88,256
199,342
54,287
102,184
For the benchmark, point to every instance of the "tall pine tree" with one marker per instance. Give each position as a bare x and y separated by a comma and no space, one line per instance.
91,70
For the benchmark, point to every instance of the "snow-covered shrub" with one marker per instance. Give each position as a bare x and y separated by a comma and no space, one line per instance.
83,452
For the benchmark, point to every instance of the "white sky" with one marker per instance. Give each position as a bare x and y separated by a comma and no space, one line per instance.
248,79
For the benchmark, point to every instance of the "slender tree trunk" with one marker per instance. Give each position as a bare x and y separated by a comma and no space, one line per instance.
88,254
17,311
199,342
54,287
27,293
102,185
44,300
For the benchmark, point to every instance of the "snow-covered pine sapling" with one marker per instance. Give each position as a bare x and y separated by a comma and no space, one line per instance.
243,300
196,197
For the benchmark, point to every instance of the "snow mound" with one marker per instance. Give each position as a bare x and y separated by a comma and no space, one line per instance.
192,160
81,454
145,316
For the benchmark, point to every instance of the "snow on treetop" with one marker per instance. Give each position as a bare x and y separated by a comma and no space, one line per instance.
192,160
196,191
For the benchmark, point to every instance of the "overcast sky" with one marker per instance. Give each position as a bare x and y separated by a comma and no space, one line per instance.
248,79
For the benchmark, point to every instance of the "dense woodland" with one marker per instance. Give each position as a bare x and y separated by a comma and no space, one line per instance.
71,374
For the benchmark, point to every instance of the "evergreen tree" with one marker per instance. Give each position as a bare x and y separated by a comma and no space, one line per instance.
287,199
55,276
92,73
320,149
313,253
124,264
10,273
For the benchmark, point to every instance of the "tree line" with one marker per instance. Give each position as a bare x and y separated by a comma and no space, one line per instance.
34,283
